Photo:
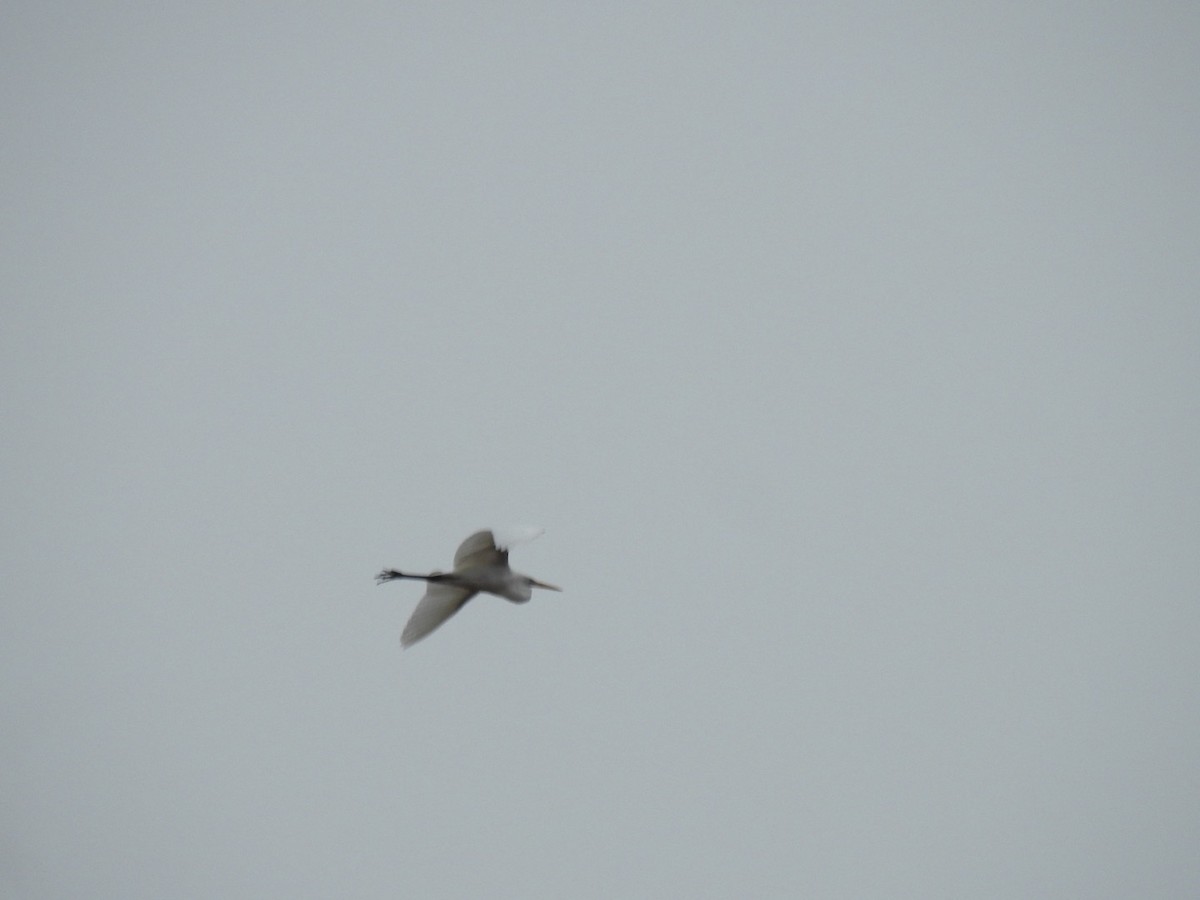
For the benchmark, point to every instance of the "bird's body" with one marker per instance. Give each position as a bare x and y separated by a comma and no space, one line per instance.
480,565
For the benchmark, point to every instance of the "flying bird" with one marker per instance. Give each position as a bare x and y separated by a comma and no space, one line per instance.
480,565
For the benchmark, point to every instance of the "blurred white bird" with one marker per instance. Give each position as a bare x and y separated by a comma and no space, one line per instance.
481,564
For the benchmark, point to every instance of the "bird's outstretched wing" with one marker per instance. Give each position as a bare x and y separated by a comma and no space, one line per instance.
440,602
490,547
479,550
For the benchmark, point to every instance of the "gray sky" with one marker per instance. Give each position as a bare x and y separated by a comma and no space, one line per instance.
849,358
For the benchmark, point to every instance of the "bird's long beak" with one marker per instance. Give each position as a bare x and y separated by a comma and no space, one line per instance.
542,584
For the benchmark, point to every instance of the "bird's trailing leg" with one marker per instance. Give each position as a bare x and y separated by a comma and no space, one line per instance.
393,574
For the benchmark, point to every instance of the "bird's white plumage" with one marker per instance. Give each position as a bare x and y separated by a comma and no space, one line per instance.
440,602
480,565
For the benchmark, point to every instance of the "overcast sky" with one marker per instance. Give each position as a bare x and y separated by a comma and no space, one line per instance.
848,354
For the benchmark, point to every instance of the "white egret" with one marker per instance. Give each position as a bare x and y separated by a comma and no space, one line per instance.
480,564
